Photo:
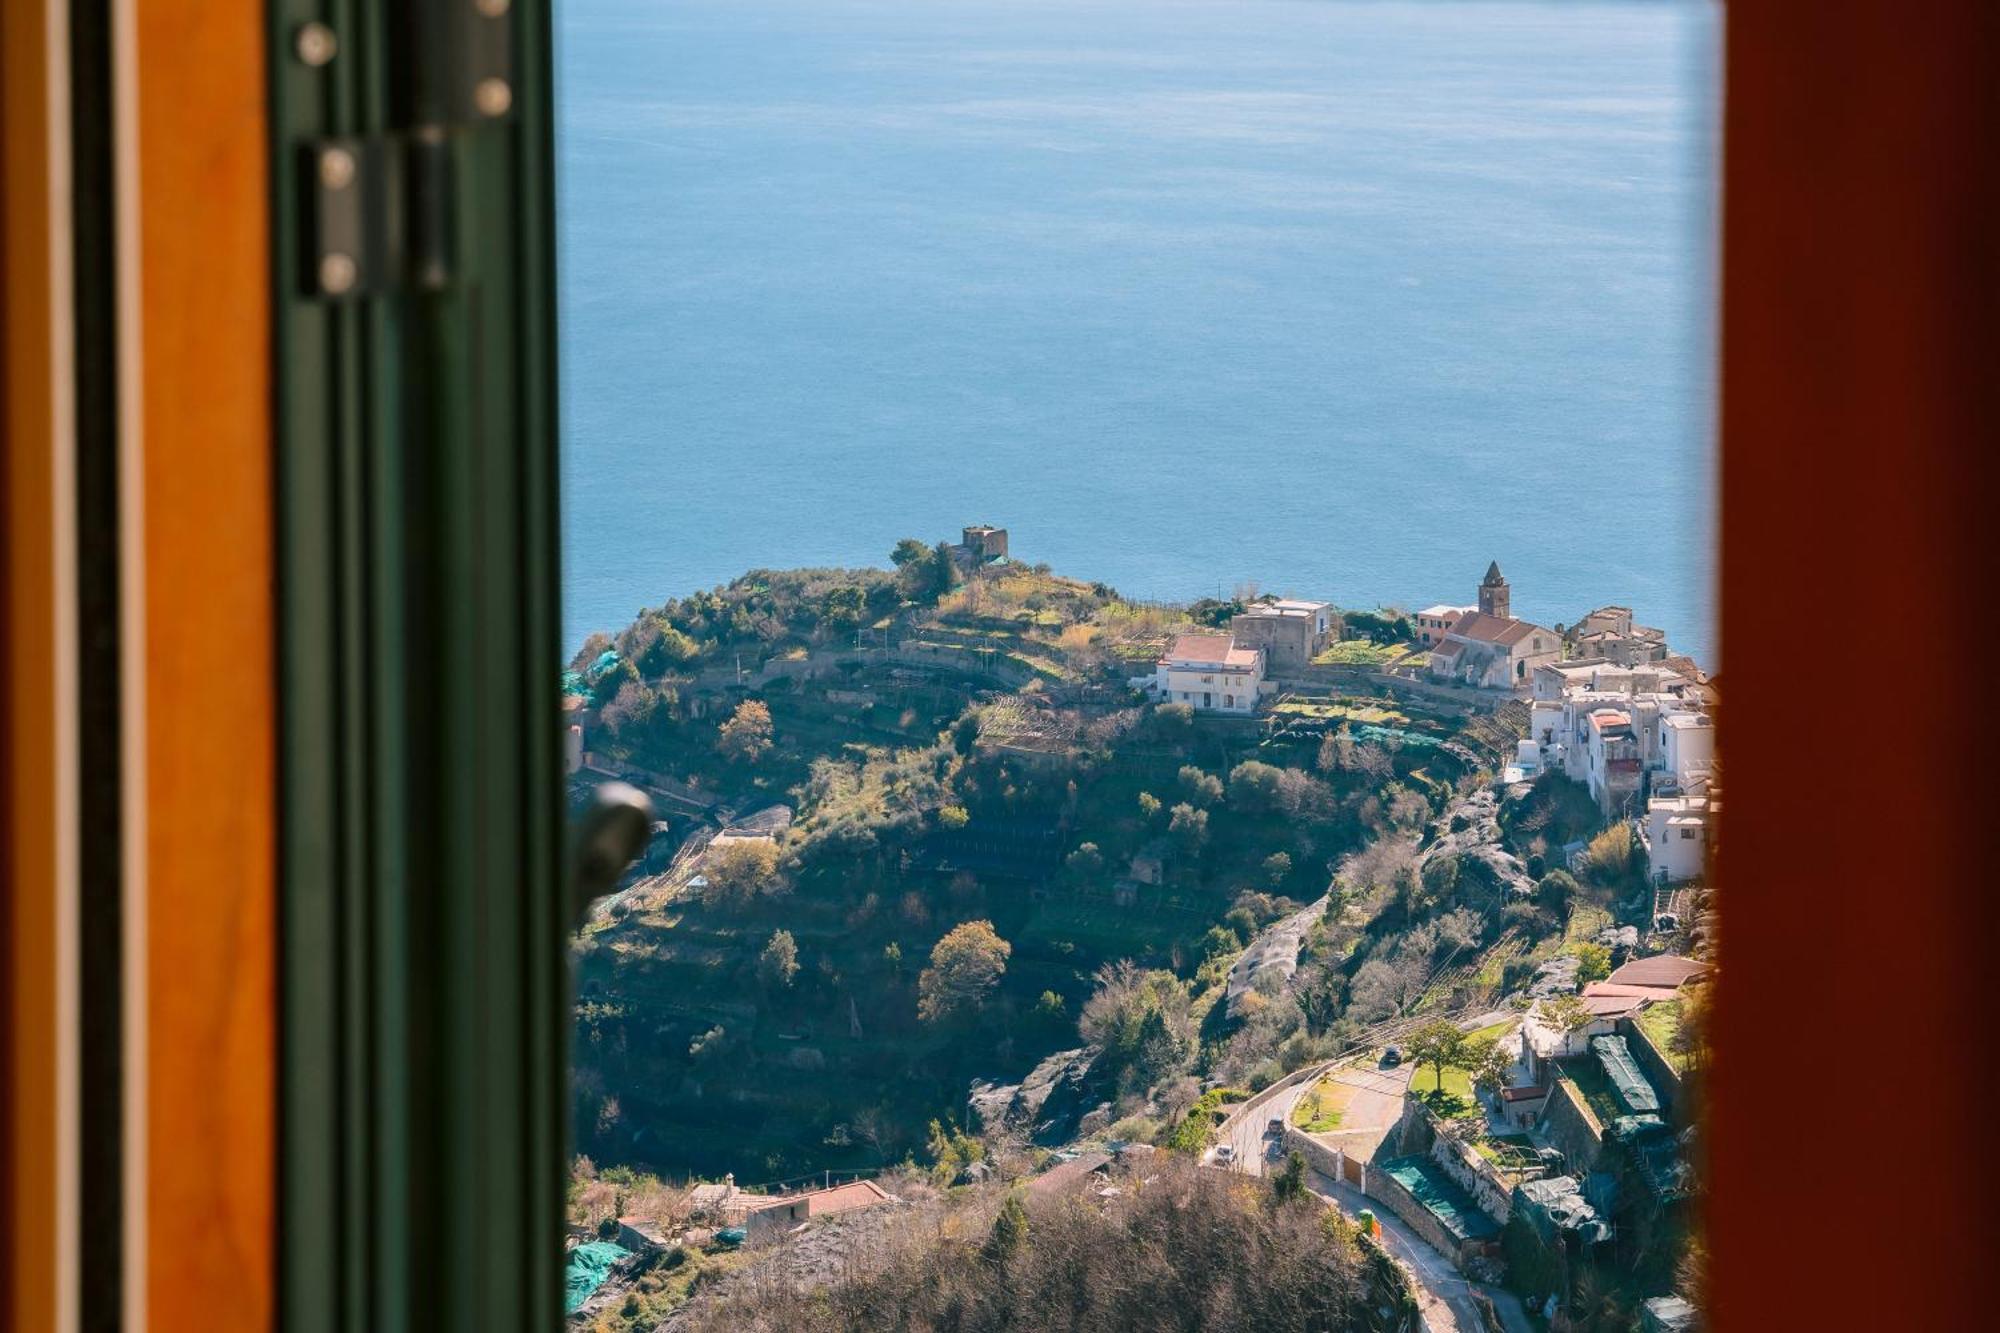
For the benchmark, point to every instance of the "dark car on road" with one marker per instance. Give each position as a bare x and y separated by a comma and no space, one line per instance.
1273,1127
1392,1057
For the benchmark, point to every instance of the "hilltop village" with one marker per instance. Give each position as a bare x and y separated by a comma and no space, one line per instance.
978,890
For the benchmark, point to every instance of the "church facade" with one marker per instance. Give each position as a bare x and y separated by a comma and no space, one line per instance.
1489,648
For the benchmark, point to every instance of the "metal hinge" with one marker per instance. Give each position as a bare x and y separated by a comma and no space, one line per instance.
378,208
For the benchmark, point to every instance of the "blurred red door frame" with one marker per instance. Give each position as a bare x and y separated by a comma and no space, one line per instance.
1850,1152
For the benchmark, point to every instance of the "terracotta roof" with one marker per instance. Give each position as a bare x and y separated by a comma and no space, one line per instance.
1682,665
1219,649
1447,649
1523,1094
846,1198
1630,992
824,1203
1612,1006
1502,630
1072,1172
1664,970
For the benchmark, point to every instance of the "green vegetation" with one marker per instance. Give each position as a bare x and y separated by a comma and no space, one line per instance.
1320,1111
986,865
1210,1109
1358,652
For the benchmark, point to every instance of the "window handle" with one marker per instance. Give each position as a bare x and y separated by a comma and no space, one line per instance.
609,838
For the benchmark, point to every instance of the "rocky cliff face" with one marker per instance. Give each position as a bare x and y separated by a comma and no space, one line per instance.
1048,1105
1472,829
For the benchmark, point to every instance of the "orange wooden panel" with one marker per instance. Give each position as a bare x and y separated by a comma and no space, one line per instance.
204,405
1858,406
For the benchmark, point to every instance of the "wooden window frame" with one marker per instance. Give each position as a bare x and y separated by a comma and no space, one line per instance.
1857,392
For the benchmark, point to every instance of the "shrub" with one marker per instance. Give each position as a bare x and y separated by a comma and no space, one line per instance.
746,736
1201,788
965,966
1253,785
1189,827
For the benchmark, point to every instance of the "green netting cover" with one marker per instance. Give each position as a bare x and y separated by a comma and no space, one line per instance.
1442,1197
1632,1085
573,683
1371,732
586,1270
605,661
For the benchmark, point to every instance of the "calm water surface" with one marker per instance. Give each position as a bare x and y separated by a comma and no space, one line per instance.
1344,299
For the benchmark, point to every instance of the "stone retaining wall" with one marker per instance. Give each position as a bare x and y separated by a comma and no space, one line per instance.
1653,1062
1475,1175
1319,1156
1572,1129
1386,1190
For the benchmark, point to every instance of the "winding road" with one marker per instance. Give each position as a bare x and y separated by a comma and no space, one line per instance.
1374,1105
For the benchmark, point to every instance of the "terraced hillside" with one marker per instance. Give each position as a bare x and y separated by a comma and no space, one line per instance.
1086,828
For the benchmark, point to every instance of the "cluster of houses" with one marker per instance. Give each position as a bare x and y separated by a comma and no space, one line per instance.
1612,707
1589,1137
1642,739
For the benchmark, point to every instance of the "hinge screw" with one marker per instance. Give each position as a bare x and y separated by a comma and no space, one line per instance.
315,44
336,168
493,97
337,273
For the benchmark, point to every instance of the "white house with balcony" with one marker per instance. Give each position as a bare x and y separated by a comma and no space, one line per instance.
1676,831
1210,672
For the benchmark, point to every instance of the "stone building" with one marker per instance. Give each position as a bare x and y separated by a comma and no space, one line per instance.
981,544
1495,597
1291,633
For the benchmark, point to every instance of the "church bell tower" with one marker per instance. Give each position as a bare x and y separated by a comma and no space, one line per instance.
1494,598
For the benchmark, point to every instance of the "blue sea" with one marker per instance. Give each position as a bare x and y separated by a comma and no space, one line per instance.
1336,299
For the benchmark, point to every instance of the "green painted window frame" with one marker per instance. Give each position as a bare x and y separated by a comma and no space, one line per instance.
422,973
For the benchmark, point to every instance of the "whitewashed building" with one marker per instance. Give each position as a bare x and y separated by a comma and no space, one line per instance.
1676,831
1611,757
1210,672
1687,748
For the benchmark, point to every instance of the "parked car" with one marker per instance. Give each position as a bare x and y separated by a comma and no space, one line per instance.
1273,1127
1392,1057
1225,1155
